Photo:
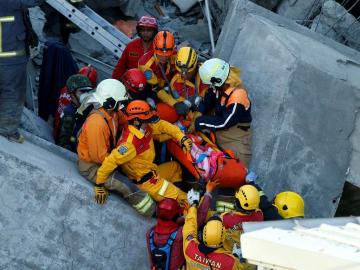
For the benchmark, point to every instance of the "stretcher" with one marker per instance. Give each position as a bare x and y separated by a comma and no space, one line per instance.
206,161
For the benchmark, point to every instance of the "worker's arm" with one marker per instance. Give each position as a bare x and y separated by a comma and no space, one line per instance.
208,102
204,207
167,98
121,65
98,137
120,155
164,127
190,227
232,115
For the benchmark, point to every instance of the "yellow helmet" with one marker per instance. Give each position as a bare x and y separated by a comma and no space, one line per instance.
248,197
289,204
186,60
214,233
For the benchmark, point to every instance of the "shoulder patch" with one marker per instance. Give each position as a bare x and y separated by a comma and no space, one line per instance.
123,149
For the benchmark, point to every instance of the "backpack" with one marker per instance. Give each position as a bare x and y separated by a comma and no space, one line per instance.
160,256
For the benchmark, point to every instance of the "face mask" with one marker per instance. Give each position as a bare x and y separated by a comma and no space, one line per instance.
82,97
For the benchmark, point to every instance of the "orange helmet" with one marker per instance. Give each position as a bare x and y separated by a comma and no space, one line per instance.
164,43
140,110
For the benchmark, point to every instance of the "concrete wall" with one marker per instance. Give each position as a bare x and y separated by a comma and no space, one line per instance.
48,219
305,93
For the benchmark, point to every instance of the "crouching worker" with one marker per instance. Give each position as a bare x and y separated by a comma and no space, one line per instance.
165,239
98,137
232,119
209,252
135,155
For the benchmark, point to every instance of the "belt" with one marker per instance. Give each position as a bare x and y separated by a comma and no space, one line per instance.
146,178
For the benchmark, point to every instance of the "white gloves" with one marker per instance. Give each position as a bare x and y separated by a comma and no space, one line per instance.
193,197
250,177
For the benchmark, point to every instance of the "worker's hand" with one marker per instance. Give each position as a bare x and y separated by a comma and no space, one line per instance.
186,144
182,107
193,197
101,194
211,185
195,101
191,128
237,252
250,177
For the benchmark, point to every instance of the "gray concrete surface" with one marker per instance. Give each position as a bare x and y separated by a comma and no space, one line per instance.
299,10
305,91
48,219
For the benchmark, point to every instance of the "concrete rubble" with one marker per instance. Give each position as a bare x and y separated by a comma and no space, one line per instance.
49,220
305,91
335,22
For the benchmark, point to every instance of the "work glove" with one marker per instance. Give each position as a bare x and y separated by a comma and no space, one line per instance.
250,177
195,101
191,128
151,102
186,144
101,194
193,197
237,253
182,107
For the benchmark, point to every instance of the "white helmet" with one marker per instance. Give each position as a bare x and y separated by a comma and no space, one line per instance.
214,71
109,92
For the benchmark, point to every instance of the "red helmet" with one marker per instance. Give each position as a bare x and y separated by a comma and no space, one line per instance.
167,209
91,73
147,21
134,80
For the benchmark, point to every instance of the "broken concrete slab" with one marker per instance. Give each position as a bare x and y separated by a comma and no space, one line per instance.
36,125
49,220
305,92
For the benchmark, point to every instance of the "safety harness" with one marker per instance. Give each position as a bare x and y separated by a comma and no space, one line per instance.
160,256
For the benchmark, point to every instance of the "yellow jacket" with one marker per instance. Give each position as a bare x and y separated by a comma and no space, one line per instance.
135,152
195,259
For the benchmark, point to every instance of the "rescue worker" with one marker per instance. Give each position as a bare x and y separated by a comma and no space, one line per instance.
13,60
91,73
147,28
289,204
285,205
136,86
64,98
78,87
232,119
98,137
187,87
246,210
208,253
135,155
159,65
165,239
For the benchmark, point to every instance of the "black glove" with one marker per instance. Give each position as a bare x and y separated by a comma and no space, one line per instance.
186,144
182,107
